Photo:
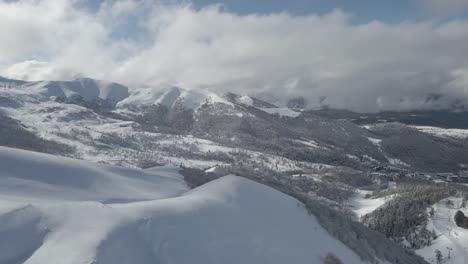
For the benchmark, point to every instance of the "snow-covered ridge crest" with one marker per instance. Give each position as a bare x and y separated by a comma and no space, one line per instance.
88,89
5,82
135,99
169,97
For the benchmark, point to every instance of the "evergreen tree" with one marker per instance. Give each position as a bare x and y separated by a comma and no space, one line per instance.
439,256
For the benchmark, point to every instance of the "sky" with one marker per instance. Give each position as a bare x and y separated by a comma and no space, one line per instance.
362,55
362,10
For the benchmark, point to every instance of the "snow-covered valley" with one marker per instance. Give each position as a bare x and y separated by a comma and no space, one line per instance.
233,132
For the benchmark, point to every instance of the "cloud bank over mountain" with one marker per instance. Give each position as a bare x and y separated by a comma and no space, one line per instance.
325,58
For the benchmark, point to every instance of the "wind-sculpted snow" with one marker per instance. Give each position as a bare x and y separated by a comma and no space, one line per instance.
21,233
50,212
230,220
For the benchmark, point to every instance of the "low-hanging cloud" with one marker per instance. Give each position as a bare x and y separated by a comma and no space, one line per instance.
327,59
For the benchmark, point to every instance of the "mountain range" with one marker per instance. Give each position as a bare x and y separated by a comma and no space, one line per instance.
227,147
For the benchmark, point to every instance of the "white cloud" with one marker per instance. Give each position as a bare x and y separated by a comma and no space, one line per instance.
33,70
326,58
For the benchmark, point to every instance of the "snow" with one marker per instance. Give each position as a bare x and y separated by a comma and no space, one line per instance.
65,179
189,99
397,162
247,100
361,205
449,234
212,169
282,111
4,82
444,132
169,97
311,143
58,210
204,146
375,141
89,89
81,128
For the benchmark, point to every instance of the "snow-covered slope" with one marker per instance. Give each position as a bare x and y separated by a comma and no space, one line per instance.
248,101
283,111
360,204
5,82
29,175
444,132
169,97
193,99
58,210
451,239
262,105
88,89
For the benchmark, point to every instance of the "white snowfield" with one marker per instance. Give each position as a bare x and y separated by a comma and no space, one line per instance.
361,205
451,238
57,210
444,132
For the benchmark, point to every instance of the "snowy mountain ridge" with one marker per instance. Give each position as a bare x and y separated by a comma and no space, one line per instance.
88,89
124,98
170,97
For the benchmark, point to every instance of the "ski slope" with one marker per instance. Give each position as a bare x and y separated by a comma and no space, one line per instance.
59,210
362,205
451,238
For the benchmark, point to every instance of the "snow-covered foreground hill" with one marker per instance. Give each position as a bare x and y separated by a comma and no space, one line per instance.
60,210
